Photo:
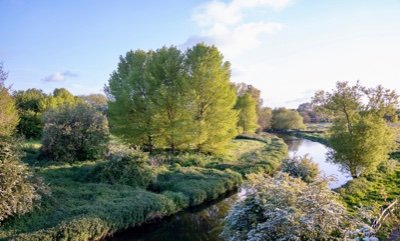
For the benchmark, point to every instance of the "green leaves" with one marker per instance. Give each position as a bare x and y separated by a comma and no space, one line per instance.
174,100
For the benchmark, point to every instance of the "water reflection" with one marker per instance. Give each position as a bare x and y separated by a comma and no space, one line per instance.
318,153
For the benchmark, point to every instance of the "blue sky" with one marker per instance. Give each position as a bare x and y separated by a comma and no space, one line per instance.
286,48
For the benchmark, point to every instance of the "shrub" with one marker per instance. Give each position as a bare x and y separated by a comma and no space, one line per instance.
8,113
74,133
17,187
286,208
301,167
124,166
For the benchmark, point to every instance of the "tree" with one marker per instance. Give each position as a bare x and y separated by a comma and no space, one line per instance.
8,112
97,101
284,119
130,92
59,97
286,208
246,105
172,99
74,133
265,118
167,99
213,98
359,136
28,103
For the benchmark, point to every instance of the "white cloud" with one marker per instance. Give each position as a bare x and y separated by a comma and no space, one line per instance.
223,24
59,76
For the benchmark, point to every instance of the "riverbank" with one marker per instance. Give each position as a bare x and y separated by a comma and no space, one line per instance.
78,209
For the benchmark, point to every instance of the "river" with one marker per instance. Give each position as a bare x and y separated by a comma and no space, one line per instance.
205,222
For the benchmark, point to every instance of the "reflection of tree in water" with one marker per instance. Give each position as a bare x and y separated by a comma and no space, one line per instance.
197,224
293,143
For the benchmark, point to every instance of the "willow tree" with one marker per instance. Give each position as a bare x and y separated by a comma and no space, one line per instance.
247,107
172,99
213,98
130,92
360,136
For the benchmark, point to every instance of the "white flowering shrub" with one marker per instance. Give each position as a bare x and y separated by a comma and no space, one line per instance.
286,208
302,167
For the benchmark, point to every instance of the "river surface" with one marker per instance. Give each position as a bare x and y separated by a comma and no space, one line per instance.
205,222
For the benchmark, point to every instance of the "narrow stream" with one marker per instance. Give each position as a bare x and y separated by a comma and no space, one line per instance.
205,223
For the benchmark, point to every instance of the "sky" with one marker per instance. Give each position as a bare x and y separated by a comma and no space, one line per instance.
286,48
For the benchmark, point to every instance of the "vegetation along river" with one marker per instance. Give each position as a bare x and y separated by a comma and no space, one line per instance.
205,223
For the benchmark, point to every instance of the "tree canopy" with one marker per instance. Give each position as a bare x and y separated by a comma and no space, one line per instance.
360,136
247,107
169,99
284,119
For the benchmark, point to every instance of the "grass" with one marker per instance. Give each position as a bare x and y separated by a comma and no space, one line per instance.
82,209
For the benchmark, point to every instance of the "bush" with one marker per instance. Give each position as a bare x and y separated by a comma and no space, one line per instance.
74,133
17,187
301,167
124,166
284,119
8,113
286,208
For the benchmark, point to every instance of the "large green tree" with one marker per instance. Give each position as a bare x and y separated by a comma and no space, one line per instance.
169,99
131,91
29,108
247,107
60,97
172,98
360,136
213,98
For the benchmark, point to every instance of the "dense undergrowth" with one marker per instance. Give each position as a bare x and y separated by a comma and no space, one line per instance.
90,200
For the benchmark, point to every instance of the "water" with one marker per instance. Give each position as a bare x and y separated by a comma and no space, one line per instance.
205,223
317,152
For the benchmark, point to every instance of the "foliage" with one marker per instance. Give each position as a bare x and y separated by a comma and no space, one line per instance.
264,160
361,150
360,137
265,118
97,101
59,98
284,119
30,111
199,184
248,118
173,100
286,208
214,98
74,133
301,167
18,189
124,166
8,113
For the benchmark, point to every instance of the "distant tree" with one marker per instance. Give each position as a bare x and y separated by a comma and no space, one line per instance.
213,98
8,112
265,118
286,208
74,133
360,136
59,97
284,119
97,101
29,108
246,105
